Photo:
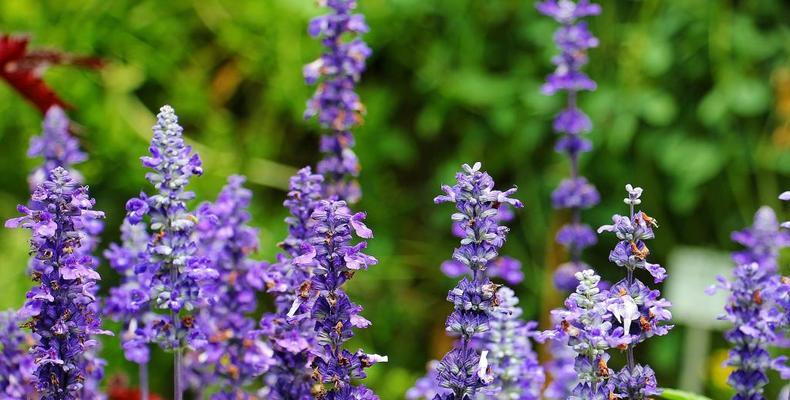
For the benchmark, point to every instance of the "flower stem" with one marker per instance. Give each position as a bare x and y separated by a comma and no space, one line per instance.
143,381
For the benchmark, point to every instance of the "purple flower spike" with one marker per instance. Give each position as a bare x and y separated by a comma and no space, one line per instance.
336,105
17,366
758,306
636,311
322,304
234,351
465,372
61,308
56,146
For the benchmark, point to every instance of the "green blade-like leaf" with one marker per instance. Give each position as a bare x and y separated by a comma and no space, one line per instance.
674,394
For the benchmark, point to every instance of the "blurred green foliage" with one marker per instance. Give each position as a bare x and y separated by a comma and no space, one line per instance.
693,104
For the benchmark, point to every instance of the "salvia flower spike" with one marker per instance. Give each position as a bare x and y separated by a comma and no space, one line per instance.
637,312
234,351
16,363
335,103
290,280
573,39
464,371
177,273
757,306
60,308
59,148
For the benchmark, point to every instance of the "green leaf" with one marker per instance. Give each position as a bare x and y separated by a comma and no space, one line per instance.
674,394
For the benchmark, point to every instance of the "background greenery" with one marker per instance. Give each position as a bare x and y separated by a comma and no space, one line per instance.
693,105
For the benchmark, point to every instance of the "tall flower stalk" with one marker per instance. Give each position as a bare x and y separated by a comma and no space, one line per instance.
575,193
464,371
61,307
176,272
757,306
638,312
58,148
335,103
584,324
289,280
335,259
233,351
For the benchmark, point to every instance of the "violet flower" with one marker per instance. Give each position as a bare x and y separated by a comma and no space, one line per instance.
176,272
585,324
234,352
335,103
335,259
17,366
289,279
638,312
56,146
464,370
59,148
757,306
60,308
575,193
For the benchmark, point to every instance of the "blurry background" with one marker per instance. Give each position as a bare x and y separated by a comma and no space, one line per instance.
693,105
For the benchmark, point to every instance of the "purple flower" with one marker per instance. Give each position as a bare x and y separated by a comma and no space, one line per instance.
289,279
575,193
234,351
762,241
514,364
56,146
61,308
16,363
637,312
334,102
335,258
464,371
585,323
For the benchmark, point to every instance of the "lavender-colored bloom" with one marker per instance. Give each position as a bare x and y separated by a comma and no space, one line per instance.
758,306
335,103
756,315
785,196
16,363
464,371
61,311
177,274
585,324
573,39
234,351
762,241
514,364
637,312
171,261
335,259
292,339
56,146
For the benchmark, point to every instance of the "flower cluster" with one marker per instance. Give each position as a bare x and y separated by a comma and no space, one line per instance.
757,305
586,327
233,351
575,193
59,148
16,363
61,311
514,364
171,261
335,259
56,146
464,370
637,311
335,103
289,377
